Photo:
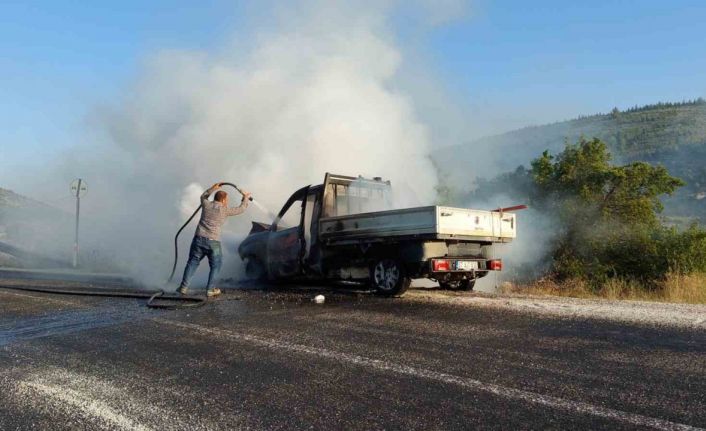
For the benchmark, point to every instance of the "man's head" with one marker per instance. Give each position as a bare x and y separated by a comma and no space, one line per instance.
221,197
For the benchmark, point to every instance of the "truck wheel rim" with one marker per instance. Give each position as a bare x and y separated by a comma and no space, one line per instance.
387,274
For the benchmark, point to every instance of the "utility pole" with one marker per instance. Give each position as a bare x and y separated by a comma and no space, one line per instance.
78,189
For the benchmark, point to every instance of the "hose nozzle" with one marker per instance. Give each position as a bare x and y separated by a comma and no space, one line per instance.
236,188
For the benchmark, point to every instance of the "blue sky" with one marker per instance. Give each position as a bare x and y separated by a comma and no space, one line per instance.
552,60
59,58
508,64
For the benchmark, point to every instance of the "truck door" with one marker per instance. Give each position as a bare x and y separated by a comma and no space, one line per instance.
286,240
311,258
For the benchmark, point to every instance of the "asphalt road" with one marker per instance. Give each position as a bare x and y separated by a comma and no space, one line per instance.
272,359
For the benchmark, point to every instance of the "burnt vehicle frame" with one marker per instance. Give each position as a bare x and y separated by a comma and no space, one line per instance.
333,235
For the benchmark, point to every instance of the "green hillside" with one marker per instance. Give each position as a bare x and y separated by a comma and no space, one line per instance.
23,221
10,200
670,134
640,132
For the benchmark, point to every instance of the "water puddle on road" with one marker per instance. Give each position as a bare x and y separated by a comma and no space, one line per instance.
66,322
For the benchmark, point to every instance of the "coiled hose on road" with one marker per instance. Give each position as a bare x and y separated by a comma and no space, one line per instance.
155,299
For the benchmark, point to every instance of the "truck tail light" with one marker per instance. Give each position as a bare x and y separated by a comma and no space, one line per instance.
441,265
495,265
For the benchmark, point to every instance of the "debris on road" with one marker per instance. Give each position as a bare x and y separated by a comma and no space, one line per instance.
636,312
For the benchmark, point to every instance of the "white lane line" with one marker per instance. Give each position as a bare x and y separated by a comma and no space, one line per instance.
41,298
468,383
103,403
88,406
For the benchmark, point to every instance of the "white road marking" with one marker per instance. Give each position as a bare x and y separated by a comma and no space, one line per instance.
41,298
468,383
104,403
90,407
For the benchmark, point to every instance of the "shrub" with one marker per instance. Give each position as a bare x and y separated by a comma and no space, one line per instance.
607,218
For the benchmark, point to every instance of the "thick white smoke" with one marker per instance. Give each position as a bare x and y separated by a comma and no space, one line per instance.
315,93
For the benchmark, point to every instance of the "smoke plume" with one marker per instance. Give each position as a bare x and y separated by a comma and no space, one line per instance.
272,111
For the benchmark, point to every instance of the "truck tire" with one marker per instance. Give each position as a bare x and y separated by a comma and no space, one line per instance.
466,284
254,269
448,285
457,285
388,277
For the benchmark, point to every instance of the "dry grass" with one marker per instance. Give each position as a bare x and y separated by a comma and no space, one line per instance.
685,288
575,288
677,288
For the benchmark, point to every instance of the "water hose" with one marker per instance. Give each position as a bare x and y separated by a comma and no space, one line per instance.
176,237
155,299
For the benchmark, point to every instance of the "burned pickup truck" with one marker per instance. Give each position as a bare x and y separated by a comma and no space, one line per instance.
342,230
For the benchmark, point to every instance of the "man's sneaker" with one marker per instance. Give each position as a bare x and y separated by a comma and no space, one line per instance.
183,290
213,292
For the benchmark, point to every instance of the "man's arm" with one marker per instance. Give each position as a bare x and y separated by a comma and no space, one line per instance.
239,209
207,193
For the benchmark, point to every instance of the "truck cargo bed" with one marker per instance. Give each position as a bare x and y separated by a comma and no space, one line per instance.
432,222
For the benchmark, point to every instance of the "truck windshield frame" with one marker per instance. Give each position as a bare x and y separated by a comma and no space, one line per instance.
297,196
351,195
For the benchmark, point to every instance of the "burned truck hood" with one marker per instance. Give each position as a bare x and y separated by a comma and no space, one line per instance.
255,244
259,227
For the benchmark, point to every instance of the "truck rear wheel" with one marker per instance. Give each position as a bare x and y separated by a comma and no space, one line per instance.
448,285
458,285
388,277
466,284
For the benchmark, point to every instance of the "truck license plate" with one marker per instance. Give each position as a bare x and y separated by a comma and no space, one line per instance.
466,265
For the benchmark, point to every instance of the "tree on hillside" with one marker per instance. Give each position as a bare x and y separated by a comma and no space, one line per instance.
582,184
606,215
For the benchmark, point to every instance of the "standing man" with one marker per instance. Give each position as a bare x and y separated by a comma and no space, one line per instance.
207,238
